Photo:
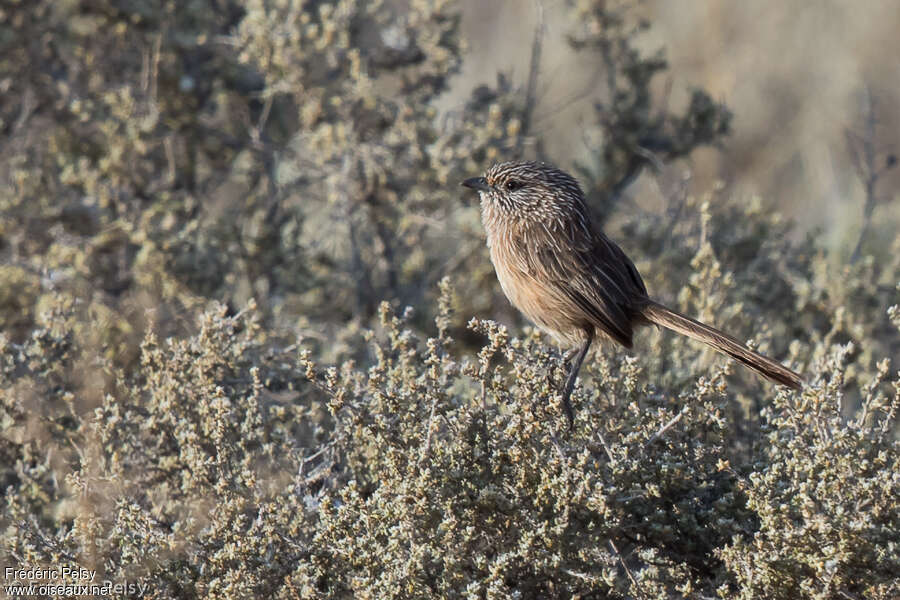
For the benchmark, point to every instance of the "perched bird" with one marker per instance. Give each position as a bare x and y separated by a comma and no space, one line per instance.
571,280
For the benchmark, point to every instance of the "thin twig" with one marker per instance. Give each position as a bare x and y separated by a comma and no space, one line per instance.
427,449
28,105
564,103
864,155
559,451
316,454
605,446
537,44
364,290
634,582
256,132
665,428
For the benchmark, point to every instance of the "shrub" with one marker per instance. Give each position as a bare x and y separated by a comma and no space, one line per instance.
215,219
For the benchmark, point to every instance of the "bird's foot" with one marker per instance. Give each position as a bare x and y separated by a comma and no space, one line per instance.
568,355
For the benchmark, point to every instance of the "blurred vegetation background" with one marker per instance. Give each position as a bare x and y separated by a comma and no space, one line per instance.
237,274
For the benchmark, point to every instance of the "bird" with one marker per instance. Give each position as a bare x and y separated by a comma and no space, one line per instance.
573,282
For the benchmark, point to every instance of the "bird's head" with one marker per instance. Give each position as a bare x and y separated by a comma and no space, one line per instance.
525,191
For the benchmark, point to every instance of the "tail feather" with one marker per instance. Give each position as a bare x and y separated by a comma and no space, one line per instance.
768,368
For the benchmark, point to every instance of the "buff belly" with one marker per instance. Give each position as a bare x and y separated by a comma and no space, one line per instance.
543,304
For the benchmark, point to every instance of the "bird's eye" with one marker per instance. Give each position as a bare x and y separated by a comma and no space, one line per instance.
513,185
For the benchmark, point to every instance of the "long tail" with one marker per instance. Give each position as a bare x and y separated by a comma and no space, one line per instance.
768,368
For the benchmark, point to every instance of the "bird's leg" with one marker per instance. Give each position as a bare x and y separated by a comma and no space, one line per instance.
569,355
573,375
566,360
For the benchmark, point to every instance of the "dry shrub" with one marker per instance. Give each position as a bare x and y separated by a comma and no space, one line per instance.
169,163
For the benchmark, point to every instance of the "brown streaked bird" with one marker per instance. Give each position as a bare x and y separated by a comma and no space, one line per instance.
570,279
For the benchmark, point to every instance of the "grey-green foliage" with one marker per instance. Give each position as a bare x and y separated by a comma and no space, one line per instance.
465,482
180,478
163,154
455,476
827,499
636,129
164,163
440,473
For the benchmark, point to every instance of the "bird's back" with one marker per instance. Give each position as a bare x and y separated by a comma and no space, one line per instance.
566,277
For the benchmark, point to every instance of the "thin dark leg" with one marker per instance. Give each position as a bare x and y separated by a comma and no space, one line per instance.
569,355
573,375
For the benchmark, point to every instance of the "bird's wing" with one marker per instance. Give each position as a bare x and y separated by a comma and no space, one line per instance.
593,273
